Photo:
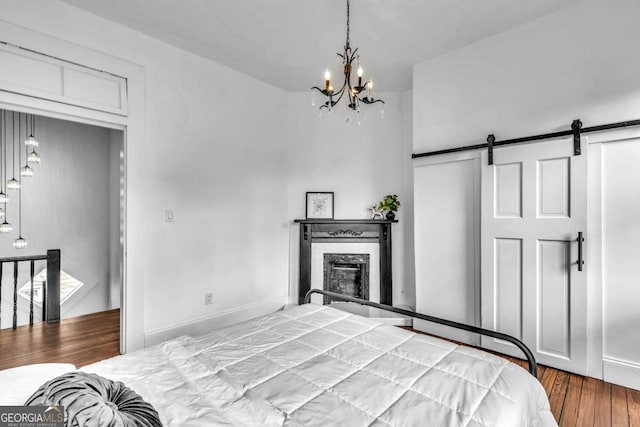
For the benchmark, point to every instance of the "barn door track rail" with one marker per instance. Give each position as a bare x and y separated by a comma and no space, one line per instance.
575,131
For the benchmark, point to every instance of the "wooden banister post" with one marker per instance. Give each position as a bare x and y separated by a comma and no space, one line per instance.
53,285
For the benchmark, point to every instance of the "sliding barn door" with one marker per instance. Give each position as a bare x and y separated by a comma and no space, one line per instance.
533,207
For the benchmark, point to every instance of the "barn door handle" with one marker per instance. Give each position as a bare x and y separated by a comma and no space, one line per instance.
580,240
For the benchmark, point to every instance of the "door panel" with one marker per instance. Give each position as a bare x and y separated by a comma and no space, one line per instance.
553,294
553,188
533,206
508,286
508,190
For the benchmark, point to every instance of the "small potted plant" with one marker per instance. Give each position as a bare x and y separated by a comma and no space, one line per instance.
389,204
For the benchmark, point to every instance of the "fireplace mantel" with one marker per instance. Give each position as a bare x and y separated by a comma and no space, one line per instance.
346,230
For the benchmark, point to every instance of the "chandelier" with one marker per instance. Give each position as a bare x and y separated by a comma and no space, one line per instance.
354,93
13,121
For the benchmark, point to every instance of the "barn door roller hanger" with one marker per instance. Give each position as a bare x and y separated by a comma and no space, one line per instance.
576,126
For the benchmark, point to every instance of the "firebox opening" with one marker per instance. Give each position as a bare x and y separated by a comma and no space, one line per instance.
346,274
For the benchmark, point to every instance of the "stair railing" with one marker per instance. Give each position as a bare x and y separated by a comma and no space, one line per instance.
50,288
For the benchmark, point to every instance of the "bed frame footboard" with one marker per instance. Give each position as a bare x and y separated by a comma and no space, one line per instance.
533,366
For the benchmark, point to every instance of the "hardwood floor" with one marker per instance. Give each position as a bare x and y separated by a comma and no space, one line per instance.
583,401
575,400
79,340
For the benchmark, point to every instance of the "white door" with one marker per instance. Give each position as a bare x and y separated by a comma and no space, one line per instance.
534,205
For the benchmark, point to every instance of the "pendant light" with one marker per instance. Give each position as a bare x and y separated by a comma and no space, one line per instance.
13,183
31,141
5,227
31,156
26,170
3,158
20,243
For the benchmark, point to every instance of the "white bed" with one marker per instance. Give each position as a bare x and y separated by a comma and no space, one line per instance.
313,365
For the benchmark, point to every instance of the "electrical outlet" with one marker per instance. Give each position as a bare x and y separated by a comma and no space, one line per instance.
208,299
168,215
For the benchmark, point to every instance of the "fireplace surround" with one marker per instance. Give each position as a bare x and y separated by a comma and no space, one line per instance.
346,231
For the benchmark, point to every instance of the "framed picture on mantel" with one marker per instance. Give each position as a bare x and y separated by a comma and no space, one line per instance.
319,205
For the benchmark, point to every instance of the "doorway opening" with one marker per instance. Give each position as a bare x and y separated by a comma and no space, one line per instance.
73,202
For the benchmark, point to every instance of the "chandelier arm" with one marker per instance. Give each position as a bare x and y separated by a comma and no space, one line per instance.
333,103
322,91
325,93
339,94
370,101
353,55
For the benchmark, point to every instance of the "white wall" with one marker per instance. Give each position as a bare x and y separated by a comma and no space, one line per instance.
537,78
360,164
65,206
215,153
446,231
408,261
533,79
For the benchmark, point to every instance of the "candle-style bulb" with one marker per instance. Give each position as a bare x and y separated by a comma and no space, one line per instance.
360,71
327,81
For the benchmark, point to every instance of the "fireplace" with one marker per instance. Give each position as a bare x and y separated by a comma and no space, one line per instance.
342,239
352,257
346,274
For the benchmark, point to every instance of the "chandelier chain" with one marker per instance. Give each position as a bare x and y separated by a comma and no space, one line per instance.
348,14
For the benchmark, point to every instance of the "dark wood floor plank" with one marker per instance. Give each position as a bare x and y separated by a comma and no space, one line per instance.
586,413
619,408
633,404
558,393
547,380
603,405
571,406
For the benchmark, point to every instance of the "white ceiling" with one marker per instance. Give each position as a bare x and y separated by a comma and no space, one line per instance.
289,43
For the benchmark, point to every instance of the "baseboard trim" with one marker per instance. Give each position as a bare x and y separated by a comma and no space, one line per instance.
621,372
219,320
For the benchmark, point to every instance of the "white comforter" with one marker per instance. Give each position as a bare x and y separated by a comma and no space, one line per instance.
314,365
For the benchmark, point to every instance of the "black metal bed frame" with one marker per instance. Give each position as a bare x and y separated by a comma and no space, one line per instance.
533,366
